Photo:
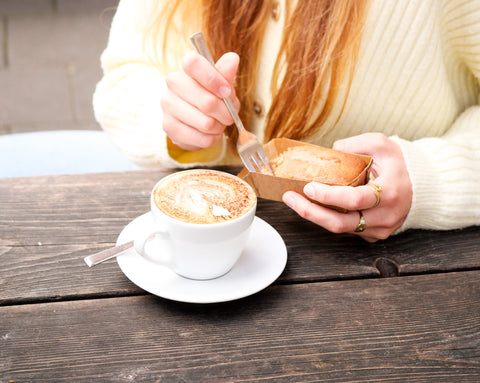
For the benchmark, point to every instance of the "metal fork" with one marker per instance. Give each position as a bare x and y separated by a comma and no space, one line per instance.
249,147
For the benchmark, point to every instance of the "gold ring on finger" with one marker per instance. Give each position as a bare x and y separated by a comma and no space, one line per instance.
376,189
362,224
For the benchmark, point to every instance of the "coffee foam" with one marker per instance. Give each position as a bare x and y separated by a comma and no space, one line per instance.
204,196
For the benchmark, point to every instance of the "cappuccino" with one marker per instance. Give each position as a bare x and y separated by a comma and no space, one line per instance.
204,196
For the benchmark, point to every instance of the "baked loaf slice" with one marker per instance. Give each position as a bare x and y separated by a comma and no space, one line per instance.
314,163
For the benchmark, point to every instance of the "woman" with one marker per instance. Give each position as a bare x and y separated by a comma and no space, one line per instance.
396,80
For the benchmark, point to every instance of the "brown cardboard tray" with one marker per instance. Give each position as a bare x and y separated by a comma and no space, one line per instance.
272,187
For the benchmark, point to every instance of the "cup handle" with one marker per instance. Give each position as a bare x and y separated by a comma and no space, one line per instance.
141,241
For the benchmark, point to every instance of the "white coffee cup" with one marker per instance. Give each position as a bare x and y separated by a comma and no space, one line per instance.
199,250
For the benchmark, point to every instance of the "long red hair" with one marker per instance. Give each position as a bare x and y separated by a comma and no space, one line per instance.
318,53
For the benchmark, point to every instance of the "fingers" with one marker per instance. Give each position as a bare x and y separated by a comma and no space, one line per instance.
186,137
388,214
330,219
215,80
368,143
194,114
187,101
191,93
227,65
385,203
337,222
187,126
347,197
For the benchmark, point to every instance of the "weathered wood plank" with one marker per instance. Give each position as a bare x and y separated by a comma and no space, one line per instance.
58,210
48,224
408,329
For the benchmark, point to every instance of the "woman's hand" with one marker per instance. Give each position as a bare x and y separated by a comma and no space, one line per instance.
391,174
194,114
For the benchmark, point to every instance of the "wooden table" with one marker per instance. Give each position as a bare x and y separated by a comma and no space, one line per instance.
402,310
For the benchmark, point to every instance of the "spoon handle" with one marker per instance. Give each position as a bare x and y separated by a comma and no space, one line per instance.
107,254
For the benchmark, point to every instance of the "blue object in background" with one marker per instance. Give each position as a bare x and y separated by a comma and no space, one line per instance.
59,152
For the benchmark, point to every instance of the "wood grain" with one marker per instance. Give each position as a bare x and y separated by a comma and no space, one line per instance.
48,224
406,329
330,317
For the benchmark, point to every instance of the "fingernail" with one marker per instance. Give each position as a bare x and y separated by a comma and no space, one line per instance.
309,190
289,200
224,91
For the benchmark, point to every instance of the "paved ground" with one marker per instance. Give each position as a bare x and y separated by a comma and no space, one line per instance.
49,62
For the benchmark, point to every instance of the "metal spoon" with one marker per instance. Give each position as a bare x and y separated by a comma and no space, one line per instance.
107,254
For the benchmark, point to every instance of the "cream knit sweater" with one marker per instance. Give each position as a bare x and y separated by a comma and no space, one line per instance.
417,81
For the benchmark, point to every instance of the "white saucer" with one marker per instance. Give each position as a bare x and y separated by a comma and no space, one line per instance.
260,264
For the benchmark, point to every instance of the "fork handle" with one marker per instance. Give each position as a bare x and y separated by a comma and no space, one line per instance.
198,41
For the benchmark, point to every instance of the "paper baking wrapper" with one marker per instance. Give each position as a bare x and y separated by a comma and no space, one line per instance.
272,187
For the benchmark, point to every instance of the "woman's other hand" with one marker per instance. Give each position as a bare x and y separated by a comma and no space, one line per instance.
194,114
392,177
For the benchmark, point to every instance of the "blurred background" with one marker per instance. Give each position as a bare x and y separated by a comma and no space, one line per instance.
50,62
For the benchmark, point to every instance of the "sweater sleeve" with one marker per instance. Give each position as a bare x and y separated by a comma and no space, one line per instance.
126,101
445,171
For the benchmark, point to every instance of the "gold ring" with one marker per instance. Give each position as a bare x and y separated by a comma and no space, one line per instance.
362,225
377,189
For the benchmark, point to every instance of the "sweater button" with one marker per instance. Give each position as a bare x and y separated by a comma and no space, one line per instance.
276,10
258,108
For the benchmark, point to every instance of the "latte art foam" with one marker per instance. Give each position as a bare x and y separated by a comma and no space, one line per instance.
204,196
